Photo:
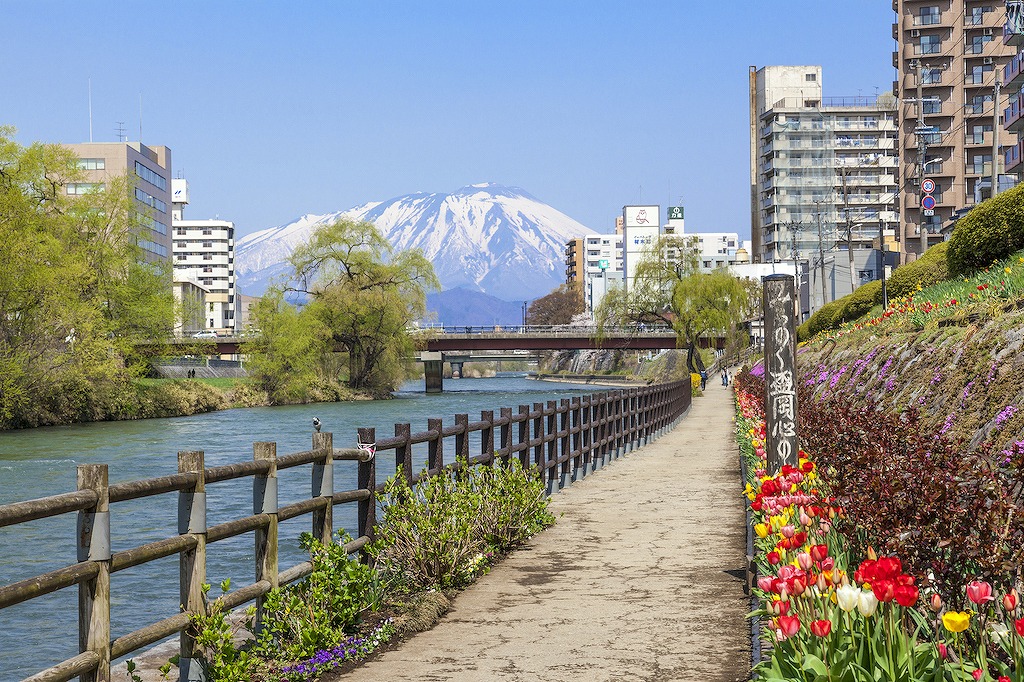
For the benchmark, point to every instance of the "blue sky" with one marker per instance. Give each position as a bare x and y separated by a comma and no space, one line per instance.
277,109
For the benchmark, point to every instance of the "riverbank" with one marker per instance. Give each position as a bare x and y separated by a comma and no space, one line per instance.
591,379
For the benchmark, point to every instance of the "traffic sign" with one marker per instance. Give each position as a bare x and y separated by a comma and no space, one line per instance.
928,186
928,202
929,212
603,264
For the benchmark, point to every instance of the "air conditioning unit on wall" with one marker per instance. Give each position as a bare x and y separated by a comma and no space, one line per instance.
988,61
915,33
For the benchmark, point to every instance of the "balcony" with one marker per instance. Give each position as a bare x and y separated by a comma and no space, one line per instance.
979,169
927,19
1012,36
1013,158
1012,115
1013,73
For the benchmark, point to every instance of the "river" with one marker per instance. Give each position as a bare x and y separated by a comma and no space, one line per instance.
40,462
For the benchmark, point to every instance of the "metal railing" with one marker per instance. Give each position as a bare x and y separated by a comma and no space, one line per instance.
565,441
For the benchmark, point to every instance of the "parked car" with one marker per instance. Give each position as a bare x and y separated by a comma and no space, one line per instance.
205,334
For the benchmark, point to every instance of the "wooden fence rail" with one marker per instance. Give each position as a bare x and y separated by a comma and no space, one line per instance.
565,440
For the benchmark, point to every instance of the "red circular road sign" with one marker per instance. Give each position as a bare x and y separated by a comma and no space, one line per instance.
928,202
928,186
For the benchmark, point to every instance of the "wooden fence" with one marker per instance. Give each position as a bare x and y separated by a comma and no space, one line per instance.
565,440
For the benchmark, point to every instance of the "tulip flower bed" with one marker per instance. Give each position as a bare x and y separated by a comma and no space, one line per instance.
834,610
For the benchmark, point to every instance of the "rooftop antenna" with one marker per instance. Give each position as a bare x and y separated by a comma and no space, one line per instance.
121,136
90,110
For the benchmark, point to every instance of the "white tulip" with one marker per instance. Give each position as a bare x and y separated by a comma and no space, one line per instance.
867,603
847,596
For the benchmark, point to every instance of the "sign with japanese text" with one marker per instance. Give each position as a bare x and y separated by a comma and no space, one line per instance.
780,372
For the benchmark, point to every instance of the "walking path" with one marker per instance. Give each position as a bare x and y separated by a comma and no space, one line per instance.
641,578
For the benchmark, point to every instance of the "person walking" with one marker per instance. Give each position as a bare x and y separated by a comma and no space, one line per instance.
703,380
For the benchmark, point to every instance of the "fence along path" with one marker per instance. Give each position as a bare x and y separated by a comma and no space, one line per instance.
565,440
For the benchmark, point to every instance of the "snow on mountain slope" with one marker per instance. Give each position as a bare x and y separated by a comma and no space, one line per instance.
488,237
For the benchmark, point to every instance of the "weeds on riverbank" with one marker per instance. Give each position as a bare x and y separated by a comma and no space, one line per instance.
924,610
440,533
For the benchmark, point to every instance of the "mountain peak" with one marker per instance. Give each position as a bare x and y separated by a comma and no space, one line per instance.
486,237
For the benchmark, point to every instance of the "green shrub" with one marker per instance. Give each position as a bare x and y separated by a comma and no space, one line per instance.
991,231
439,532
824,318
925,271
862,300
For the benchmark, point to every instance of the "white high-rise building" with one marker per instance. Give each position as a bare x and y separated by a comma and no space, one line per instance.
204,252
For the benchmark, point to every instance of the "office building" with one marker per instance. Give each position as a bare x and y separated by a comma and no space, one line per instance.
149,169
1013,86
594,261
947,58
204,252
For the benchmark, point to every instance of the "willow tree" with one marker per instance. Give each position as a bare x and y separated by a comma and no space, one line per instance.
75,290
365,295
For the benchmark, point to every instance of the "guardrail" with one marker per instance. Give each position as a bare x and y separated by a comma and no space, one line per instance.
565,440
549,330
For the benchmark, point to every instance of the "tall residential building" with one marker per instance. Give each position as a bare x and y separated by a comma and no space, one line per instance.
947,58
823,175
204,252
1013,85
595,261
150,171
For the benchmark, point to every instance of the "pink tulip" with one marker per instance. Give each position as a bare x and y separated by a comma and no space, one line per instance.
1010,601
805,561
764,583
979,592
789,531
936,603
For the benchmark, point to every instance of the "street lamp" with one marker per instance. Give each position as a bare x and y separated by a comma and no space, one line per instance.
524,313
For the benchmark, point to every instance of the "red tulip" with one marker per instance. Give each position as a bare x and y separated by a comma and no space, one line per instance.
788,625
774,558
1010,601
979,592
821,628
977,673
865,573
888,567
807,467
1003,678
884,589
905,595
764,583
1019,625
936,603
819,552
828,563
943,654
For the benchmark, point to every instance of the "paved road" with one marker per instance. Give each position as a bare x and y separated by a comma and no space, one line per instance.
638,580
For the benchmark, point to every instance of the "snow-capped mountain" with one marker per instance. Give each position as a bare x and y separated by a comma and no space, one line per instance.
488,237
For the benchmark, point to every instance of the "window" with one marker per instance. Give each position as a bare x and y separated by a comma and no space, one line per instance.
810,77
932,106
930,45
92,164
84,187
211,305
811,103
928,16
150,176
978,133
150,200
977,74
977,45
207,256
931,76
207,232
179,245
207,245
158,249
181,231
207,268
707,264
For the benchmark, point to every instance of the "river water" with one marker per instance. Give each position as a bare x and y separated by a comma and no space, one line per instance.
41,462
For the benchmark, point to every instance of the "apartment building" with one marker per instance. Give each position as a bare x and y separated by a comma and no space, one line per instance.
823,175
947,59
595,262
150,171
1013,86
204,252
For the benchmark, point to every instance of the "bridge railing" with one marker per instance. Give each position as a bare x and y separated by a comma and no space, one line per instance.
565,440
549,330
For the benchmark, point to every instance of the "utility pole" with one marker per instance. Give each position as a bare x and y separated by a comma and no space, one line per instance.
796,267
849,231
995,135
881,254
821,253
922,151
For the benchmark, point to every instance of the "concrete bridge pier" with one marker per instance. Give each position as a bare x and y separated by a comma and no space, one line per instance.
433,371
456,369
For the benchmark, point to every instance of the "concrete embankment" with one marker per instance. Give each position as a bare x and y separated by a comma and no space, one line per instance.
641,578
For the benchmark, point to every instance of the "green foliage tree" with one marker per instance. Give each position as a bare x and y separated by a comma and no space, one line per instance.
557,307
713,303
991,231
75,290
360,294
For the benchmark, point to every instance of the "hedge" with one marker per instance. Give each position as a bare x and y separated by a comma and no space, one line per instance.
928,270
991,231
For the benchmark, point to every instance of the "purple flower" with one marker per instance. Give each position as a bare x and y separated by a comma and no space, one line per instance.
890,384
948,424
991,374
1006,413
937,377
885,368
966,392
836,377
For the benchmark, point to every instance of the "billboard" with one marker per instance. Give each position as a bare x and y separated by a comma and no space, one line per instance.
642,227
179,190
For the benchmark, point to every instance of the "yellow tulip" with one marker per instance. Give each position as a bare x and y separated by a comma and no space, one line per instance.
1007,270
956,621
761,530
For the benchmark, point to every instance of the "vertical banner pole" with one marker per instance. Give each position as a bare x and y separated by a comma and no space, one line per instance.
780,372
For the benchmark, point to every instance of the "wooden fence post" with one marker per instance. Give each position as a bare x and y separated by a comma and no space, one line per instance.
487,435
551,447
367,480
264,501
524,436
94,594
192,562
323,486
403,453
586,432
578,470
564,443
506,433
538,437
617,429
462,439
435,448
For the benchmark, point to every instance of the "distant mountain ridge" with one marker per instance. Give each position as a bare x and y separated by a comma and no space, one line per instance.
490,238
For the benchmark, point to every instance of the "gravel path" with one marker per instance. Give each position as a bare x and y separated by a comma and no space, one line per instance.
640,578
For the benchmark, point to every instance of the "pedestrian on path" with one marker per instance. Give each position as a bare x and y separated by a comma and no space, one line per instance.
703,379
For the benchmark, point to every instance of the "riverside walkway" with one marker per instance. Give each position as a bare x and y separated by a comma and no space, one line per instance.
641,578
